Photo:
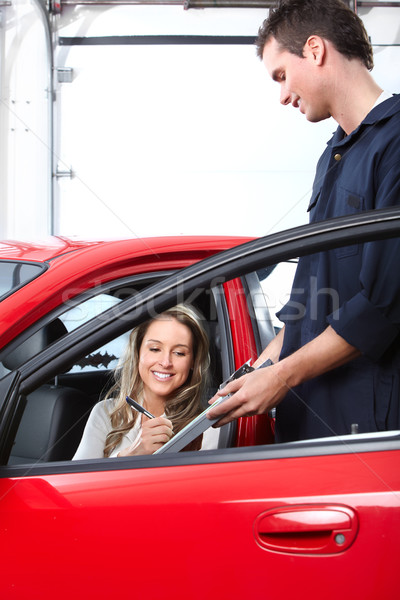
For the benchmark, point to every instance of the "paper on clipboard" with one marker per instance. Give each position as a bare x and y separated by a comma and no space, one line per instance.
202,422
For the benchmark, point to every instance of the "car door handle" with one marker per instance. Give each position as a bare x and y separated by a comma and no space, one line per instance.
307,529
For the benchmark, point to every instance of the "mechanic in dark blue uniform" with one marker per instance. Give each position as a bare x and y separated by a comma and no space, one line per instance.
338,353
354,289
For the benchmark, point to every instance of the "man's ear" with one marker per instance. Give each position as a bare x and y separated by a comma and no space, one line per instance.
314,49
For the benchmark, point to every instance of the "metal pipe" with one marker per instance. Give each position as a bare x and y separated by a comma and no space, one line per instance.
376,3
50,97
355,4
214,3
120,2
229,4
185,3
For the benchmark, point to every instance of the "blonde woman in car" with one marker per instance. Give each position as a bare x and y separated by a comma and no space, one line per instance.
165,370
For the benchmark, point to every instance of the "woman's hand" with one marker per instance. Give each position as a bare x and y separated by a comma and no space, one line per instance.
155,433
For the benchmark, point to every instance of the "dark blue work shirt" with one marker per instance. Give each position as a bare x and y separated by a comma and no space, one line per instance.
355,289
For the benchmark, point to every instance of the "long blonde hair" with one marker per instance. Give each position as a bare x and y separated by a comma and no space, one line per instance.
185,405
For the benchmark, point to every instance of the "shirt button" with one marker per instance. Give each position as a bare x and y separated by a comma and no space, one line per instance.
338,157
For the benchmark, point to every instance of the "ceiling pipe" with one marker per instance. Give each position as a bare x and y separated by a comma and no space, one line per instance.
376,3
187,4
229,4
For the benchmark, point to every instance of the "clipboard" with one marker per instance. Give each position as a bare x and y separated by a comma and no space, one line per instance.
199,424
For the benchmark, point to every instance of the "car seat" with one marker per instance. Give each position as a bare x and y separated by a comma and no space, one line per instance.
55,416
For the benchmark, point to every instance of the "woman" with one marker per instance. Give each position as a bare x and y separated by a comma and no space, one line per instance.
165,370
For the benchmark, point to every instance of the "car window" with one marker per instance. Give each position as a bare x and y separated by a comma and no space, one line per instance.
15,274
276,283
71,315
63,404
107,356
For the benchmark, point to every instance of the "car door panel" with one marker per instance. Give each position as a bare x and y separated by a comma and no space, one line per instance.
84,523
10,407
250,431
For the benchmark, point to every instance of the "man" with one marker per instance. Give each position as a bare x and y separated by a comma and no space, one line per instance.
336,363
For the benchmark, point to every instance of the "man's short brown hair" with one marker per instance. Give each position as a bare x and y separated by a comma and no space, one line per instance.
292,22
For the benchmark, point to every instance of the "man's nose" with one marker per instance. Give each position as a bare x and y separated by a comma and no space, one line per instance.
286,97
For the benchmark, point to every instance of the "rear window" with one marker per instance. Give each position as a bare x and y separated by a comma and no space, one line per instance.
14,275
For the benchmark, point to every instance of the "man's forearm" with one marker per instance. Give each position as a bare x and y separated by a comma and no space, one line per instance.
263,389
273,350
324,353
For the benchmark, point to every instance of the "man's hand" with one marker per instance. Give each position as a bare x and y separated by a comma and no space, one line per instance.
253,394
263,389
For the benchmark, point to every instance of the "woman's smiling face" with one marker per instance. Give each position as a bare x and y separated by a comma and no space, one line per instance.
165,358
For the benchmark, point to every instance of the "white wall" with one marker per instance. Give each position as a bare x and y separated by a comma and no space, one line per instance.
24,123
173,139
181,139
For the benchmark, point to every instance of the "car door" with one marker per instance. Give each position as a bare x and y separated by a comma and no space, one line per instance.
312,519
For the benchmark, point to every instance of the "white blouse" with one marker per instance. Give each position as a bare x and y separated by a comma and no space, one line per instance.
98,427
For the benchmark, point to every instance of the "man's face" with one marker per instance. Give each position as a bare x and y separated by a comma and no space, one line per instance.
299,78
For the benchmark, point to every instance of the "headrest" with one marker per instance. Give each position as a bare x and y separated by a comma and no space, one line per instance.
33,345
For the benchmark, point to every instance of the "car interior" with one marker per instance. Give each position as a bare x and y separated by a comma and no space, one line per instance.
55,415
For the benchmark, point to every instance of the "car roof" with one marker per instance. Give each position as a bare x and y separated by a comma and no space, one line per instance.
71,267
41,250
54,247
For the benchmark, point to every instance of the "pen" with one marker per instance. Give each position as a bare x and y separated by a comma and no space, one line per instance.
139,407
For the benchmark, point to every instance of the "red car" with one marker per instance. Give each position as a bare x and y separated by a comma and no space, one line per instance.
251,519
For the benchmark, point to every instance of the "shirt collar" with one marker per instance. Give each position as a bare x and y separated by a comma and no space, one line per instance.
384,108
